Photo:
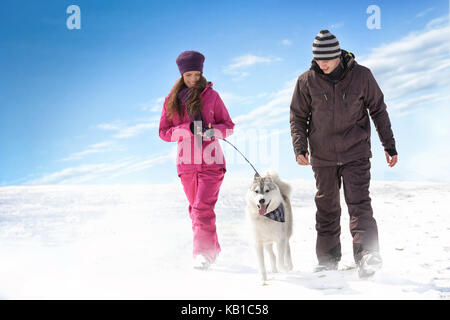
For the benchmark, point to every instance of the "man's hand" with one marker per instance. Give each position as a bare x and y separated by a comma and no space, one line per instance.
391,160
303,160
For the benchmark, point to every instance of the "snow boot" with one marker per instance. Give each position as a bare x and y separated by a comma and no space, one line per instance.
369,264
201,262
332,265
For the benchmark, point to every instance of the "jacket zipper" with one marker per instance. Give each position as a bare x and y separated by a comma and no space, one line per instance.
334,124
344,97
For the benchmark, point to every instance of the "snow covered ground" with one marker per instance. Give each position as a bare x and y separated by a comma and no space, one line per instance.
134,242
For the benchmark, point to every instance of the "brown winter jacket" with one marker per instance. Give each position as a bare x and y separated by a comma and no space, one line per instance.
334,118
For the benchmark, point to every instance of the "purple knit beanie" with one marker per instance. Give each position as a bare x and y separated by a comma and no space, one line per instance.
190,61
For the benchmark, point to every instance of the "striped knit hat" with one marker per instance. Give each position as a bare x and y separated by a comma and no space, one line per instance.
326,46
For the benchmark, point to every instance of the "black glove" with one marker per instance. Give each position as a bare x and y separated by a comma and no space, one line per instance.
209,133
303,153
193,129
392,152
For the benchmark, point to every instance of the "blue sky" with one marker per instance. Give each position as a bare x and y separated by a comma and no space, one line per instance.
83,106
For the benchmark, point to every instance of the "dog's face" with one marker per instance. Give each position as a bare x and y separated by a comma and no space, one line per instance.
264,194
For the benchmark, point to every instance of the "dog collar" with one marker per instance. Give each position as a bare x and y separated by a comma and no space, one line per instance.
277,214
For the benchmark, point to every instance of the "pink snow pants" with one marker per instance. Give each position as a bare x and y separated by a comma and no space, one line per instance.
202,190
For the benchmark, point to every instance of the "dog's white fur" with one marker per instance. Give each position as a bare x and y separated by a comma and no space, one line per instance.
266,231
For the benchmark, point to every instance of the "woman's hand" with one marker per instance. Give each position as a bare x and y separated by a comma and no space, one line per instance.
209,132
195,129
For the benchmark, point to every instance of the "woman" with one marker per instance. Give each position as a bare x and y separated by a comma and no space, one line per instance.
194,115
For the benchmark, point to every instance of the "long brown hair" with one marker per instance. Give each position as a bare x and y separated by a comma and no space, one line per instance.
194,104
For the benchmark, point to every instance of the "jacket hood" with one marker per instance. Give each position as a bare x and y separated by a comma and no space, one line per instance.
209,85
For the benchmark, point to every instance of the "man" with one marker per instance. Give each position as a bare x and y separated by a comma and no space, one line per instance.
330,109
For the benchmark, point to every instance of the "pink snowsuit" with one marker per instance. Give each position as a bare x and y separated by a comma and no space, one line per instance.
201,169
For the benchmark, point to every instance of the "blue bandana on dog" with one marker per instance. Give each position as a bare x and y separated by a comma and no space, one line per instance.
277,214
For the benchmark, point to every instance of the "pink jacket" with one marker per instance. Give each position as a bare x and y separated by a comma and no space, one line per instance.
190,157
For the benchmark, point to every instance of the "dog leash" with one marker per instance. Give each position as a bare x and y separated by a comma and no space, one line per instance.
257,174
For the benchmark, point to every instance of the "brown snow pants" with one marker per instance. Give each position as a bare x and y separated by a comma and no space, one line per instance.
363,227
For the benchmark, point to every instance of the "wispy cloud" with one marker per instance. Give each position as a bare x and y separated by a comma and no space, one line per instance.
247,60
236,68
135,130
154,105
337,25
129,131
416,67
286,42
405,106
275,110
109,126
99,172
151,161
424,12
121,131
231,99
80,174
101,147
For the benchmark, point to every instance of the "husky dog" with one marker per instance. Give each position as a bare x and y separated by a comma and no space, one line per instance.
269,210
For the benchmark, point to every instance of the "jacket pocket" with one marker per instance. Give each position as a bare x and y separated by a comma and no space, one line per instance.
319,97
319,102
364,126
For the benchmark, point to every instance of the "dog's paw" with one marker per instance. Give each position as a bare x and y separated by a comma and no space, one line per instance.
285,268
263,277
282,268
